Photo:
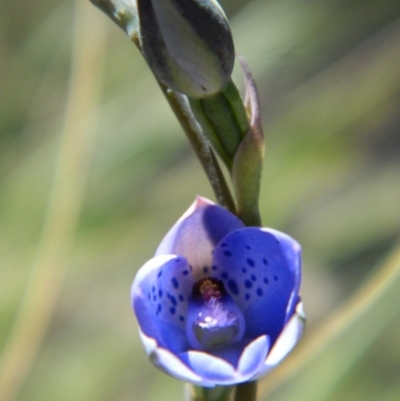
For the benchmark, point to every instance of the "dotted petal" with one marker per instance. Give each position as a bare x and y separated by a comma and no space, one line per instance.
260,269
160,295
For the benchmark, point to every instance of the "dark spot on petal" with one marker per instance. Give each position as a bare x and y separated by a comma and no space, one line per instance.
224,275
153,288
277,241
181,297
259,292
266,281
265,261
172,310
185,272
276,278
160,292
172,299
228,253
174,282
155,298
214,267
247,296
248,247
205,269
149,296
159,274
248,284
159,308
253,277
232,285
224,245
177,260
181,318
250,262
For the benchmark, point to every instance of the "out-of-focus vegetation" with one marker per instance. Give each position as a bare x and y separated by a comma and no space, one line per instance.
94,169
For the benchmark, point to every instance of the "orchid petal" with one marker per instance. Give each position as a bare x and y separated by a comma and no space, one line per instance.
159,295
211,368
253,356
286,341
218,371
168,362
260,269
233,353
196,234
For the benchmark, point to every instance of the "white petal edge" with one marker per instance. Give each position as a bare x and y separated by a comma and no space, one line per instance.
287,340
260,346
168,362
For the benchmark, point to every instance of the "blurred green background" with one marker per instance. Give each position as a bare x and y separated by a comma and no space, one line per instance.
94,169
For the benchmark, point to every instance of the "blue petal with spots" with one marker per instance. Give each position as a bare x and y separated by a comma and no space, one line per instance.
161,305
267,291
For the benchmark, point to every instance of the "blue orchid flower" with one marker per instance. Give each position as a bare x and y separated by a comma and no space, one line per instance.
219,302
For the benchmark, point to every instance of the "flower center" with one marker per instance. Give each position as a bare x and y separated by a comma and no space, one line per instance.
214,321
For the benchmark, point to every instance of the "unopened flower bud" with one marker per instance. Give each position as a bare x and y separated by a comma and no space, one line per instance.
187,44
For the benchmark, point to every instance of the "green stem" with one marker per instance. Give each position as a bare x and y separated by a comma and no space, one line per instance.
217,393
201,146
210,131
246,391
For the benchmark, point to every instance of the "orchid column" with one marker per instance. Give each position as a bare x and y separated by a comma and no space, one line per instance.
218,305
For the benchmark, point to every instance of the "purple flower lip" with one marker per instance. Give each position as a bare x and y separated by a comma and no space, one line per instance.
219,303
